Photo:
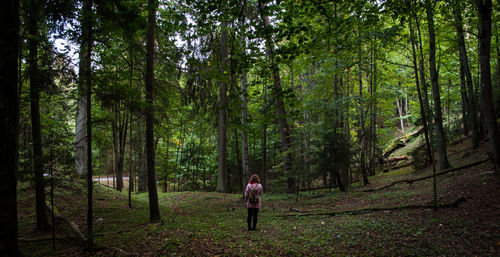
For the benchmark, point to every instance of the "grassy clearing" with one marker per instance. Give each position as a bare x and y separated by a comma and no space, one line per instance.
213,224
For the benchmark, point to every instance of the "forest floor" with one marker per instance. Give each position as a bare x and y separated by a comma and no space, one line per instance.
214,224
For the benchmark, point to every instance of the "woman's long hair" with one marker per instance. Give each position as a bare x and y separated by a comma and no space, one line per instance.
255,179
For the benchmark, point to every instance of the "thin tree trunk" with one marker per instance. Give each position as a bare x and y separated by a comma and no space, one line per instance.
244,135
165,182
9,125
35,87
438,117
400,112
264,141
464,67
425,91
280,105
362,122
154,210
131,174
142,185
423,114
117,171
484,8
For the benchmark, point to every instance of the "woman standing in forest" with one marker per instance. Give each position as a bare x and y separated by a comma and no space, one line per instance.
253,200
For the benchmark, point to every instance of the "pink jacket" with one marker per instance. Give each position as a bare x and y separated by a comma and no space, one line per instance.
247,194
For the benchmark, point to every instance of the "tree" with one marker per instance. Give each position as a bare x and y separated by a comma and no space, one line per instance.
154,210
464,69
85,85
438,117
42,222
9,111
423,113
484,10
244,134
222,183
281,113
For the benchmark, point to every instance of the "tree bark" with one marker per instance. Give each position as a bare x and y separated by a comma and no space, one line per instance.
280,105
86,83
35,88
400,112
362,122
484,8
425,91
438,117
423,114
464,67
81,109
9,126
264,141
154,210
142,183
244,135
131,174
222,182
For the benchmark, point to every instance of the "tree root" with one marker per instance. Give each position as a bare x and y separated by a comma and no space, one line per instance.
453,204
410,181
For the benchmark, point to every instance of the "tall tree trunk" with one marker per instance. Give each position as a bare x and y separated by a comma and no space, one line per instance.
35,88
464,67
222,182
244,135
264,141
86,83
131,174
154,210
423,114
438,117
280,105
425,91
373,109
484,8
362,122
9,125
81,109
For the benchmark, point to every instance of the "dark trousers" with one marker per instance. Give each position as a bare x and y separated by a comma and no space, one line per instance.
252,214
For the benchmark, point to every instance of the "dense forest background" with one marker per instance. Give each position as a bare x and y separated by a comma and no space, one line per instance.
198,95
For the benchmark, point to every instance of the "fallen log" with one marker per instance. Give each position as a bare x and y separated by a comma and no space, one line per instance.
395,159
401,142
453,204
410,181
400,166
398,145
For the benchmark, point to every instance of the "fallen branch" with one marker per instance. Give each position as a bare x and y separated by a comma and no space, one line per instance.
410,181
72,224
453,204
43,239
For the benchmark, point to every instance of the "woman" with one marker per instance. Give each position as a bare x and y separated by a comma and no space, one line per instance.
253,200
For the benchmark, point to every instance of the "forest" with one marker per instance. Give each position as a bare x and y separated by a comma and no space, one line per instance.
132,127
